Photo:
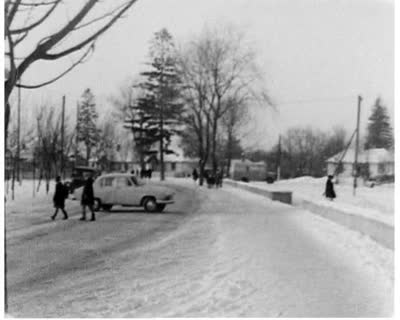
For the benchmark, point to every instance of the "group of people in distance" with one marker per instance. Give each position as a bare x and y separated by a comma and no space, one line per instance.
211,179
145,173
87,199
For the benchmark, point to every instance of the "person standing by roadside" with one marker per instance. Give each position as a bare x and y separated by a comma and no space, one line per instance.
329,190
88,198
59,198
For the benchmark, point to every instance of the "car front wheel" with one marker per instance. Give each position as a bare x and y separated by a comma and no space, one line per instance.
150,205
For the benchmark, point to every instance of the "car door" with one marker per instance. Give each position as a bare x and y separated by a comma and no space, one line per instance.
105,191
125,192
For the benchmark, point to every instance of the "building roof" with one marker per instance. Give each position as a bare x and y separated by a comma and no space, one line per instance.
377,155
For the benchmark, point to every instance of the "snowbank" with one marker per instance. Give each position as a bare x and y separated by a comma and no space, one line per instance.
375,203
370,211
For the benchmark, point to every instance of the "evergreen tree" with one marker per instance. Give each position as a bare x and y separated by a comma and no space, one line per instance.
380,133
143,126
162,86
86,127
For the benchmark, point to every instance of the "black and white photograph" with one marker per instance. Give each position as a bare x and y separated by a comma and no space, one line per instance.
198,159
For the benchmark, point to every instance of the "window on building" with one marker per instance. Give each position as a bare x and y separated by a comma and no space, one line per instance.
173,166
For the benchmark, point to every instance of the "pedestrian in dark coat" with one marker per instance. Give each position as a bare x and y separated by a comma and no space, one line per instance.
195,175
329,191
59,198
87,199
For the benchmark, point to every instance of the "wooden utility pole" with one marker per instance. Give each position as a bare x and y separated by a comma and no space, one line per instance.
19,135
278,169
62,138
355,167
76,133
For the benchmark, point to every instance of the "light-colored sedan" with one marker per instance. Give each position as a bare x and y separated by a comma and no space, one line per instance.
126,190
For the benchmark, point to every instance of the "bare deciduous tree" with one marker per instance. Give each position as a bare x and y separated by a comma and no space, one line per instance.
47,152
218,68
24,20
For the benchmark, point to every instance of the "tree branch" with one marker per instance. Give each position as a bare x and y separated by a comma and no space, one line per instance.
11,15
37,4
108,14
81,60
38,22
21,38
93,37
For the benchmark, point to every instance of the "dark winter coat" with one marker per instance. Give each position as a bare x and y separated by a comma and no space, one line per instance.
88,194
329,191
195,175
59,195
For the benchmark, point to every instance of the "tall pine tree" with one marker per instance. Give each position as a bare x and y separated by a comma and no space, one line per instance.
86,127
162,86
142,125
380,133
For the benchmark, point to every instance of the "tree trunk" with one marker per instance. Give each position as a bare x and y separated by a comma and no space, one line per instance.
87,153
214,147
162,173
6,122
229,152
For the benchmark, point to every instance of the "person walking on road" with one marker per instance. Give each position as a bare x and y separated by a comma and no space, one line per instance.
329,190
59,198
195,175
88,199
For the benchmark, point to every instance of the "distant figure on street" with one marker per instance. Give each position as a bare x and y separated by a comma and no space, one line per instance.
220,177
59,198
210,179
329,191
195,175
88,198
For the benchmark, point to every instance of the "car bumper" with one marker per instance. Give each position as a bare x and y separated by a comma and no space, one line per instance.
164,201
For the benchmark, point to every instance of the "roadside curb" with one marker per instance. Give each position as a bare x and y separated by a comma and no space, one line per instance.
284,196
377,230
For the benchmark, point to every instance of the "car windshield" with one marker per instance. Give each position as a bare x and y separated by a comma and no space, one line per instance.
136,181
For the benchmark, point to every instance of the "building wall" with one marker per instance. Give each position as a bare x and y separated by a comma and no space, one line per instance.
375,169
254,172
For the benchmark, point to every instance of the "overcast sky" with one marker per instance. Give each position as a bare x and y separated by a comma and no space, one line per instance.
317,56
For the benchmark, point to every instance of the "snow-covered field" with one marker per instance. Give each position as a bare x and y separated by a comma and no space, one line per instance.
376,203
216,253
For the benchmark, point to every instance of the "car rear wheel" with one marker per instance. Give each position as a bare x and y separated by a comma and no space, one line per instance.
150,205
160,207
96,204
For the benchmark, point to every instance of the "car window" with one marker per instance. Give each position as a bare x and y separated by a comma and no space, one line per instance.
106,182
121,182
135,181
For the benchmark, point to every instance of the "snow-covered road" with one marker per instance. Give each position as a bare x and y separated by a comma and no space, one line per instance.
215,253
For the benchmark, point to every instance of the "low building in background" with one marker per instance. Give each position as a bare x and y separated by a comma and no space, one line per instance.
243,169
372,163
